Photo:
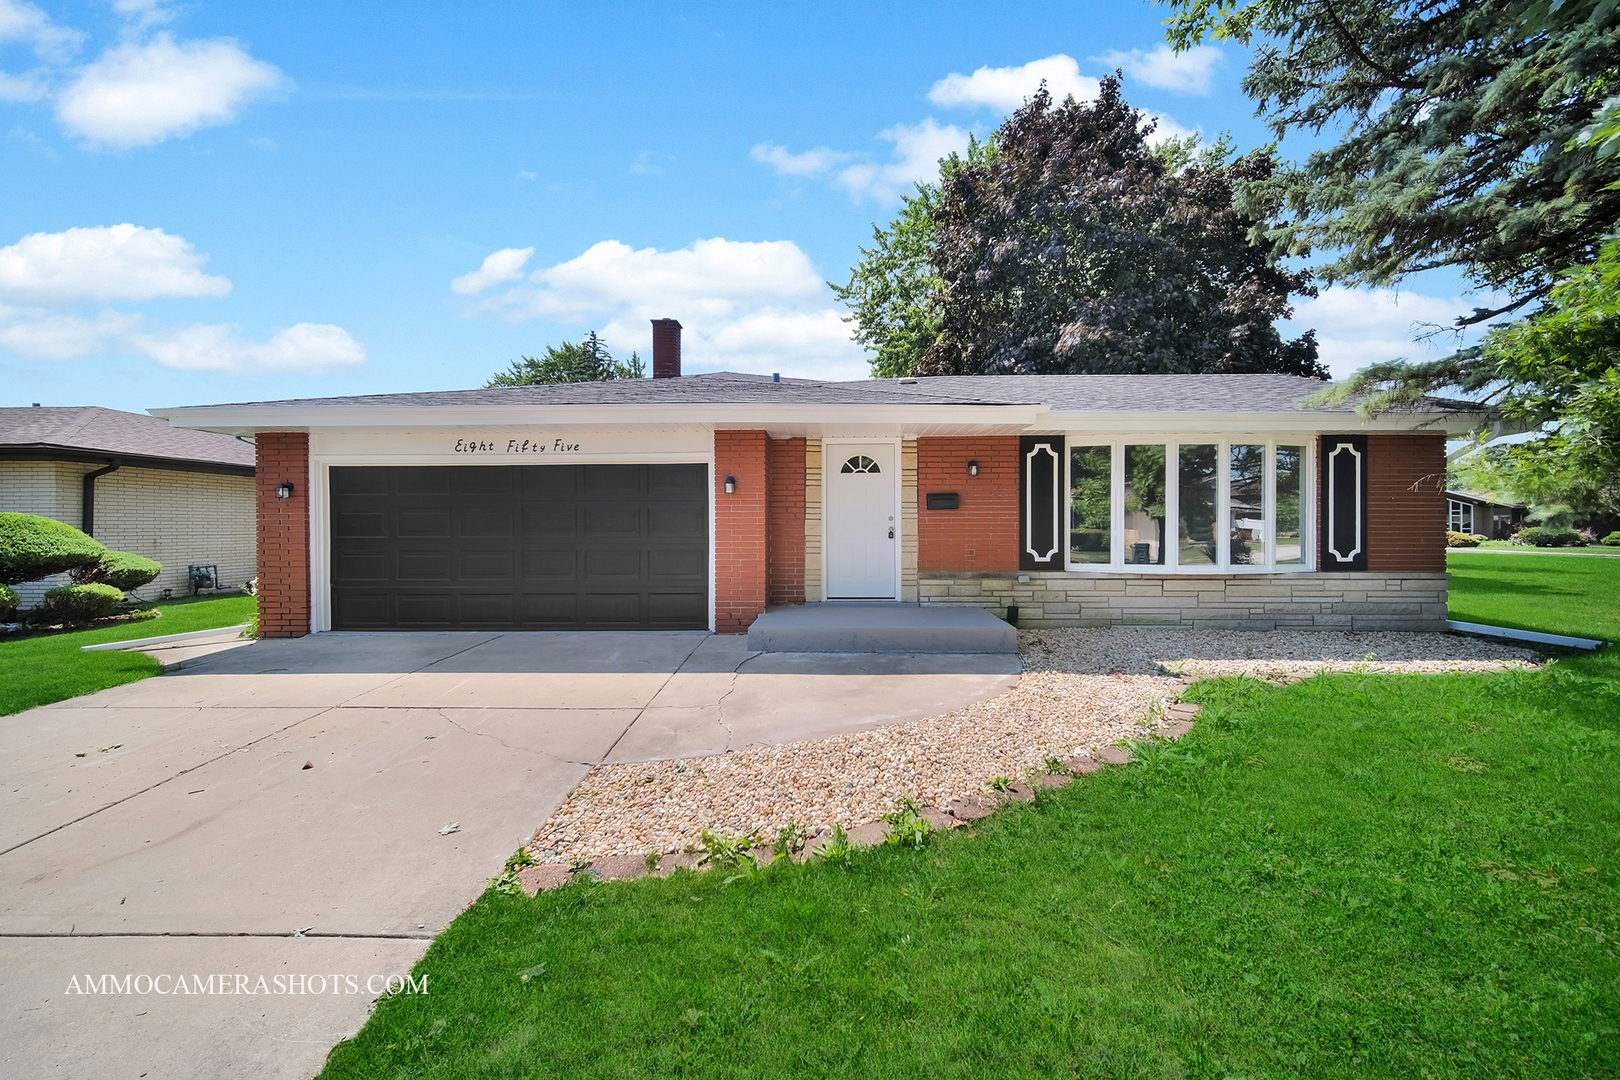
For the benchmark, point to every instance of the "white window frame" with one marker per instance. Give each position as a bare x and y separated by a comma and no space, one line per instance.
1456,510
1172,444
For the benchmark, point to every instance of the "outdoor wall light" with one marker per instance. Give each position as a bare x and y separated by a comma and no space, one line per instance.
284,489
973,468
731,484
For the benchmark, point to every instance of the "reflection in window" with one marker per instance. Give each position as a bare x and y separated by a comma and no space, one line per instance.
1091,471
860,463
1246,504
1290,550
1195,512
1144,505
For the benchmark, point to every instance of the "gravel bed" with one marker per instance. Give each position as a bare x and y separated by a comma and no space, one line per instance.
1082,690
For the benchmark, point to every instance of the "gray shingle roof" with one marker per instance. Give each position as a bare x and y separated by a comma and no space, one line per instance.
1065,393
90,428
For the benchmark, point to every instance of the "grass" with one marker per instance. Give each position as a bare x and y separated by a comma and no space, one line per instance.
1548,593
50,667
1504,545
1355,876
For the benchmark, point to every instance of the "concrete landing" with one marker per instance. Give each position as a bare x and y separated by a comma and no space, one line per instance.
881,628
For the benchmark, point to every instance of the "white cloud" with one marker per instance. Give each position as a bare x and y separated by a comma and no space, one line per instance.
24,22
138,94
143,13
21,88
1006,88
505,265
306,348
1357,327
917,150
120,262
1190,72
809,163
751,306
1165,127
44,335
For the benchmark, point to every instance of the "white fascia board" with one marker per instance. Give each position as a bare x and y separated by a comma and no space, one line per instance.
246,419
1291,421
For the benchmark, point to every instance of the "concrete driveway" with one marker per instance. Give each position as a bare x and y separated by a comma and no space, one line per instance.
170,827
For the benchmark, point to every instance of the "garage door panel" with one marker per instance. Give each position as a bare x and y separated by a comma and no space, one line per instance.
552,547
424,566
611,609
678,481
551,611
551,565
691,563
603,521
676,610
424,610
488,609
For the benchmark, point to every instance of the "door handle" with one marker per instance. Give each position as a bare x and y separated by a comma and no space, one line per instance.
891,532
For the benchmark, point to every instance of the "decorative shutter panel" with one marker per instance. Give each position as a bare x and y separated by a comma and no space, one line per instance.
1344,502
1040,506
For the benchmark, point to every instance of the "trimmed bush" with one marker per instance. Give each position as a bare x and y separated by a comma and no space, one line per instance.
33,547
76,603
1613,539
1545,537
9,602
119,569
1459,539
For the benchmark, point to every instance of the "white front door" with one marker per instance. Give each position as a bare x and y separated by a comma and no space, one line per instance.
862,533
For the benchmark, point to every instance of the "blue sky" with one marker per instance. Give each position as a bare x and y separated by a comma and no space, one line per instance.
208,202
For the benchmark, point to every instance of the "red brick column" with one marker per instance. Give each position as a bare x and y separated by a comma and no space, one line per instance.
982,533
283,534
739,529
785,522
1406,501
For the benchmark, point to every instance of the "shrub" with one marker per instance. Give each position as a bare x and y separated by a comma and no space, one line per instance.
1542,536
9,601
120,569
1613,539
76,603
1457,539
33,547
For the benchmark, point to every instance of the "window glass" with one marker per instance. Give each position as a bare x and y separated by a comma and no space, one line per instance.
1144,505
1090,516
1246,504
1290,484
1195,515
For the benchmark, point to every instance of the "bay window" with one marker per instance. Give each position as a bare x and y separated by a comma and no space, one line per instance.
1196,506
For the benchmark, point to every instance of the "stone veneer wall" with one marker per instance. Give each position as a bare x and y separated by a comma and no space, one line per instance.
1403,600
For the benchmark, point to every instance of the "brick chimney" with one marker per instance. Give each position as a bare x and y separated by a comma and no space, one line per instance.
666,349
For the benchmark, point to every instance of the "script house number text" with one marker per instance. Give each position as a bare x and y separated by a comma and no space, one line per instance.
515,446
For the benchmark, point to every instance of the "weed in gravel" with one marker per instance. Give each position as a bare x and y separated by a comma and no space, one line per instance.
507,880
999,783
724,851
837,849
907,826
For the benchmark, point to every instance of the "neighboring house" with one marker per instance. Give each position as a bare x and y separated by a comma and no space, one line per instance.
696,502
136,484
1481,515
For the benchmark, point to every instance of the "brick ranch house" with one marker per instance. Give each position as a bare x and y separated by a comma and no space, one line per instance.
136,484
697,502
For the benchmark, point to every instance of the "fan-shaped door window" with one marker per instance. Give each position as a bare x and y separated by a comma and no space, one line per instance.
860,463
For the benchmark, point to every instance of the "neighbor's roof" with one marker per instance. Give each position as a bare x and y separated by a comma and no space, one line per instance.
1060,393
88,430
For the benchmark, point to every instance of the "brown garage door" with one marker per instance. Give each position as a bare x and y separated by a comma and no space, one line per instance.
521,547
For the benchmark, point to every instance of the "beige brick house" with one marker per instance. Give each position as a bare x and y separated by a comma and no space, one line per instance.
136,484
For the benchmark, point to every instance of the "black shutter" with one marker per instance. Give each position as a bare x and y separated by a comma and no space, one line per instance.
1344,502
1040,503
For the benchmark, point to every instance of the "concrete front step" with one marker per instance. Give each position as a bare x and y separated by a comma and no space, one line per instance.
881,627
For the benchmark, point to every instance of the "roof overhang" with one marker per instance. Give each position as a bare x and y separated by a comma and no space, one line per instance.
49,452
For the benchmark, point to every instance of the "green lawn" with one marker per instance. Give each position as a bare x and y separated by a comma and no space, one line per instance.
1504,545
1356,876
40,670
1550,593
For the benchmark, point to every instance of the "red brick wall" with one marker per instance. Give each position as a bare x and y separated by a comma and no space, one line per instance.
785,522
739,529
982,534
283,534
1406,501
